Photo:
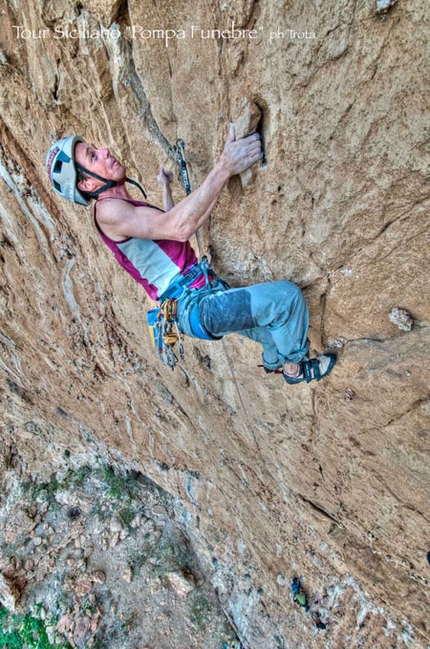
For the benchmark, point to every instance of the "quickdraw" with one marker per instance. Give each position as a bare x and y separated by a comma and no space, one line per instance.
179,151
164,333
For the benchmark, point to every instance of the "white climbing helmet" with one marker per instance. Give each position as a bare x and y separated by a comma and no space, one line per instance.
61,168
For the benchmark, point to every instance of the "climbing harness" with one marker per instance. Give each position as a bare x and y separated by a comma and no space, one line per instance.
163,321
176,288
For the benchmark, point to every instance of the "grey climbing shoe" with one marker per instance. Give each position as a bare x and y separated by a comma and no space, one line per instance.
313,370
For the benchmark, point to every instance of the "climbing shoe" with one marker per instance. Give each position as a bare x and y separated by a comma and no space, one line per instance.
313,370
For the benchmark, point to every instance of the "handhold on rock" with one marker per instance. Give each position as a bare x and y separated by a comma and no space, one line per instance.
247,121
401,318
244,125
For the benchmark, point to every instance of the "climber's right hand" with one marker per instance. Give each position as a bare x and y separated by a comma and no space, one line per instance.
238,155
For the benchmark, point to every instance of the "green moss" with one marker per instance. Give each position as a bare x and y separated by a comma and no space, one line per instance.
25,632
119,486
87,605
44,491
127,515
200,609
80,476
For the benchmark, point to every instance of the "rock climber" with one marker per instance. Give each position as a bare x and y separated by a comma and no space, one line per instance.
153,246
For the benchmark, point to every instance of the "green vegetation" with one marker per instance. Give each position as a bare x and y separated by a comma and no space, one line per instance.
167,555
136,560
46,491
119,493
119,486
78,477
41,491
87,605
25,632
127,515
130,622
170,557
200,609
116,486
122,490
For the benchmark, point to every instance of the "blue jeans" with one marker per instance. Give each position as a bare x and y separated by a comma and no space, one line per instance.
274,314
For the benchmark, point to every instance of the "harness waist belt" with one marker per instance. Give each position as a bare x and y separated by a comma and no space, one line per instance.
176,288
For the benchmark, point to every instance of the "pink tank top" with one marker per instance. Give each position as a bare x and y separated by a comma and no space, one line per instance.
153,264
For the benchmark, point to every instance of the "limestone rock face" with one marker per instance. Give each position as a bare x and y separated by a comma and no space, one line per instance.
328,481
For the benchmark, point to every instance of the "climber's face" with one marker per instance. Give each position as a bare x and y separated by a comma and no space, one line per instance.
99,161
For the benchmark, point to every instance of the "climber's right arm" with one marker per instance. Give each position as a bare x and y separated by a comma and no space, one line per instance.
182,220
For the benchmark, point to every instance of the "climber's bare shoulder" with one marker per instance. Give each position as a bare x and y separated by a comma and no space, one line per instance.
119,219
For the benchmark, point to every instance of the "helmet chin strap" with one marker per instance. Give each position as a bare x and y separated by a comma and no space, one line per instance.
108,183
